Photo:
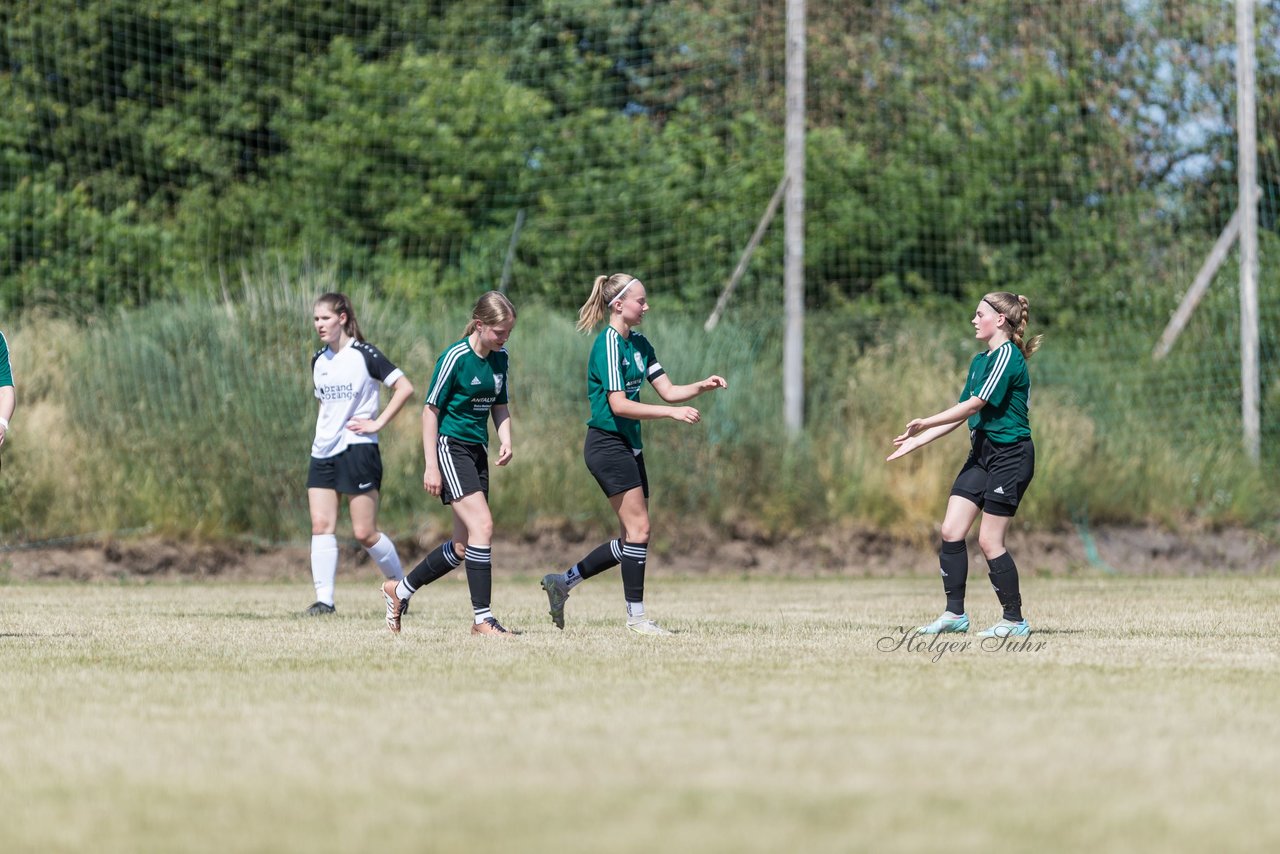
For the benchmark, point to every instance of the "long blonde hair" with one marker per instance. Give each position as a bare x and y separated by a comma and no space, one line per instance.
1016,313
491,309
603,293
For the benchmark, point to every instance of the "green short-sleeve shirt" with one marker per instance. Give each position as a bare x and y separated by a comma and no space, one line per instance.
619,364
1000,378
464,388
6,370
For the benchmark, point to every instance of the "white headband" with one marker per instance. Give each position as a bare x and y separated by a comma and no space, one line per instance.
623,291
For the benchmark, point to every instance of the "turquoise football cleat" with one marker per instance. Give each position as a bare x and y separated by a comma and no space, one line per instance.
1006,628
946,624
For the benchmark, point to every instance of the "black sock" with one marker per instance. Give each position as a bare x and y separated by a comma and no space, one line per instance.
433,566
602,557
634,556
480,576
954,560
1004,578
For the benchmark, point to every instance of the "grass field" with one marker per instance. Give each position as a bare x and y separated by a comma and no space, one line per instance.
174,717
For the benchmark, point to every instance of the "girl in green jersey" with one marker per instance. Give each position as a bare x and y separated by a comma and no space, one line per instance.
621,361
995,403
468,388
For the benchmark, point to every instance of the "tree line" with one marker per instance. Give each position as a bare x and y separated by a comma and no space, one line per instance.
147,149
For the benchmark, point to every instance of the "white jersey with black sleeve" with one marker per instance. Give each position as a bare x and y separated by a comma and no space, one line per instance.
346,384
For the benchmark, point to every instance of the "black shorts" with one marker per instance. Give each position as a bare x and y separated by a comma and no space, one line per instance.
616,466
996,475
355,471
464,468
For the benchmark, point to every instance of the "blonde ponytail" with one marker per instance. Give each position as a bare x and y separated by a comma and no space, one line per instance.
604,291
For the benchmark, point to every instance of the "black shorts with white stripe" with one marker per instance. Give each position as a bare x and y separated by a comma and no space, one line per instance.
464,468
996,474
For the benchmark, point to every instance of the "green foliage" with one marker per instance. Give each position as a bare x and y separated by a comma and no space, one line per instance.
152,155
953,148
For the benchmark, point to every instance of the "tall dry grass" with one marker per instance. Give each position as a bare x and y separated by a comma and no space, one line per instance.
195,418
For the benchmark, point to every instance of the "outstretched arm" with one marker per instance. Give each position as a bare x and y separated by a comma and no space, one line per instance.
672,393
626,408
952,416
906,444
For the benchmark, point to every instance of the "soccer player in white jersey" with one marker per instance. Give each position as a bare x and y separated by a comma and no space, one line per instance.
621,361
345,459
468,387
995,402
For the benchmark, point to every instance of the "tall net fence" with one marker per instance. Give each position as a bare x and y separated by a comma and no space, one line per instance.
149,146
1080,153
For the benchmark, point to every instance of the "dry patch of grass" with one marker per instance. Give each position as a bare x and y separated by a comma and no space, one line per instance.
180,717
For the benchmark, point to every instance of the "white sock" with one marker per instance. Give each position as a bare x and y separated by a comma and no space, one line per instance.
572,578
324,565
482,615
635,612
384,555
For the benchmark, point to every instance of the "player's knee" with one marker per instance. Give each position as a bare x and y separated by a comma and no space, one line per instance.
480,532
638,531
992,546
322,527
953,533
367,536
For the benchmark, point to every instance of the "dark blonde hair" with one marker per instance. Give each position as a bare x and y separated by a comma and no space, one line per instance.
341,304
1016,313
491,309
603,293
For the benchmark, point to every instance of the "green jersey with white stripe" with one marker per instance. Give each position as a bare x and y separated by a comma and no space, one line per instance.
465,387
6,370
1000,378
619,364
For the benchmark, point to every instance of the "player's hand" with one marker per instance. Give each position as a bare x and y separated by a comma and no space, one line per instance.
712,382
687,414
431,480
905,446
504,454
363,426
914,426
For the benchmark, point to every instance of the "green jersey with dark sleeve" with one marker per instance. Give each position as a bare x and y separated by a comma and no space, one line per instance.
1000,378
619,364
464,388
6,370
